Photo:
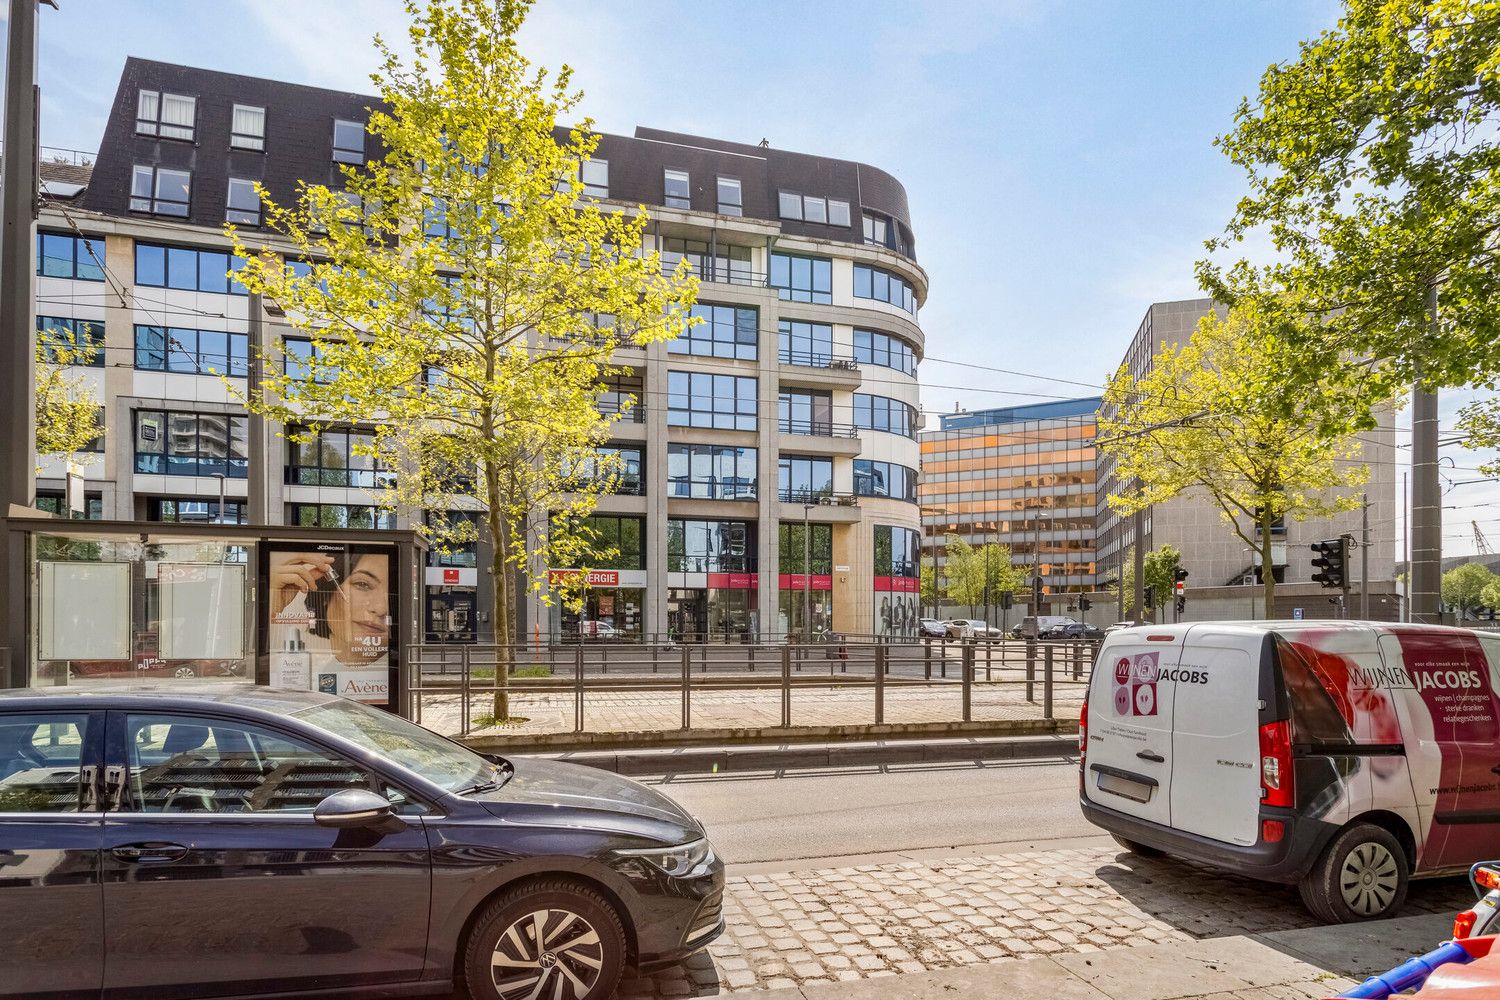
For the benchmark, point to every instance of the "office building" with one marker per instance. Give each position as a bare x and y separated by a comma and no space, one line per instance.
1020,476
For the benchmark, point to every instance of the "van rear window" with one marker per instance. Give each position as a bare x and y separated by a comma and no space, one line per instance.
1322,714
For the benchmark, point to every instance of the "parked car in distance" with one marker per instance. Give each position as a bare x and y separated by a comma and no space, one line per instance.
294,842
1037,626
591,629
1075,631
971,628
931,628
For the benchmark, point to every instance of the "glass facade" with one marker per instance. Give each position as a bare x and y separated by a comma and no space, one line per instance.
806,579
699,546
884,479
700,399
804,411
897,570
806,344
335,458
883,286
191,444
722,332
711,472
802,279
874,348
802,478
1025,483
879,413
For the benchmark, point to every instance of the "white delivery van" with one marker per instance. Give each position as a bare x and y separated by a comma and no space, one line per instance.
1342,757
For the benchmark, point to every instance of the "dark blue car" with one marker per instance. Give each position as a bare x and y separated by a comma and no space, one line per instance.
246,841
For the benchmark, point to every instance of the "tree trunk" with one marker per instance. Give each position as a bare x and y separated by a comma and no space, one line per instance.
1267,571
499,614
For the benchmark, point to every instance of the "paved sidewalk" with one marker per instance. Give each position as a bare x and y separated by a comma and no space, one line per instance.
648,711
1284,965
809,929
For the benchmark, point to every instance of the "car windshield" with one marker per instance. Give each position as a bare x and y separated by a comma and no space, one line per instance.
423,753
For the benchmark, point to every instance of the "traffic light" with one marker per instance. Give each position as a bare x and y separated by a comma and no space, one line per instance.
1007,600
1084,604
1330,559
1150,597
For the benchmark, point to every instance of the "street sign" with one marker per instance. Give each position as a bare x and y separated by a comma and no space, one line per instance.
1297,614
75,495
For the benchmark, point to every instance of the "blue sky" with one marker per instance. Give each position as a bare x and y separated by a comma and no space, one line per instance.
1057,153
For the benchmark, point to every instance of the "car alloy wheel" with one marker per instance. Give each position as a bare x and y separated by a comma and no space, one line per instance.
183,673
551,954
1368,879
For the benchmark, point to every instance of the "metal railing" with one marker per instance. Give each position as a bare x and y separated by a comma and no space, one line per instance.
797,675
818,428
806,359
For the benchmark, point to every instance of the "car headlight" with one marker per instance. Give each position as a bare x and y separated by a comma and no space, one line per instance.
676,861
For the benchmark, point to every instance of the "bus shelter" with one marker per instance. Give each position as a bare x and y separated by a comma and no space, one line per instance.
112,602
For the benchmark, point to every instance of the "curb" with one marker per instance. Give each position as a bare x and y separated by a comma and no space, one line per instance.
731,760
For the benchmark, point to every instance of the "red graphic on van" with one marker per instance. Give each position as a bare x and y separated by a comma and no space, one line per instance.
1135,684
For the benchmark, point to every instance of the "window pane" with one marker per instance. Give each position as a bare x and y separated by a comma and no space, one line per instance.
838,213
150,265
213,271
791,205
182,269
182,764
815,209
182,350
40,761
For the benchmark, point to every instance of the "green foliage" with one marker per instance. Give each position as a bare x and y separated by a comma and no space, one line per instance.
1161,567
465,297
1470,587
971,574
1226,416
1374,167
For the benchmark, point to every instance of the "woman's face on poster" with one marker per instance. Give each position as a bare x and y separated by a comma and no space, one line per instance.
359,611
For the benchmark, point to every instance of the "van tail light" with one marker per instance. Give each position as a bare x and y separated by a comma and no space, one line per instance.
1083,740
1276,764
1463,924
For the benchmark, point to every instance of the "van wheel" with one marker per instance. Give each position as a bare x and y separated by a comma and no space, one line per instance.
1361,876
551,938
1141,850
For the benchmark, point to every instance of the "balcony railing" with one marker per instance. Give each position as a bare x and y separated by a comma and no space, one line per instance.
822,498
818,428
803,359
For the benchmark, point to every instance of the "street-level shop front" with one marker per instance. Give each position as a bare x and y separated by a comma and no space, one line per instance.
308,609
611,604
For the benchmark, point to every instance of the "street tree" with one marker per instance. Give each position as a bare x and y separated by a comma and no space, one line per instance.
464,296
1000,573
963,573
1464,588
1489,597
1161,568
1225,416
67,405
930,589
1373,160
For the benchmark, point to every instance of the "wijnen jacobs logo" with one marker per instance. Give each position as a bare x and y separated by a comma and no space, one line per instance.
1420,677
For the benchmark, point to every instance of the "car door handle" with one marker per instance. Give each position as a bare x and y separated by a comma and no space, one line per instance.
1152,756
149,853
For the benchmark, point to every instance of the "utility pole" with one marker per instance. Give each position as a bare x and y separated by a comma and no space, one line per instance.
1140,567
1364,558
1425,570
18,207
257,430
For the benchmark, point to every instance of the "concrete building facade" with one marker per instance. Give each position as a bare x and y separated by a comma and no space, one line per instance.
791,412
1223,572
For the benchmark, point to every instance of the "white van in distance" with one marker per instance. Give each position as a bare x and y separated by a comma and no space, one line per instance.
1342,757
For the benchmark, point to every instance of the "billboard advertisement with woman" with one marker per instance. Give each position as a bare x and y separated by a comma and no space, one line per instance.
331,619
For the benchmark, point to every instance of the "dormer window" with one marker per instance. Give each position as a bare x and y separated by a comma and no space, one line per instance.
169,116
247,128
348,142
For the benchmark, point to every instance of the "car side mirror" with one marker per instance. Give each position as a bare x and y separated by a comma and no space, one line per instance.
354,808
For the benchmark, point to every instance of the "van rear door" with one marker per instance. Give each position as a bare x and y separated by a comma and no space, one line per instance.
1216,734
1129,756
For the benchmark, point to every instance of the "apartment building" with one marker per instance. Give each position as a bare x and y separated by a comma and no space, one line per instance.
771,455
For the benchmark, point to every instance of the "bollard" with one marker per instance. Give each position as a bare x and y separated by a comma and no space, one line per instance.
687,680
463,716
1047,685
786,687
1030,670
881,656
927,659
988,646
968,683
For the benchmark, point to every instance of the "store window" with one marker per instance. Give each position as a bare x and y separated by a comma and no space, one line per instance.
806,581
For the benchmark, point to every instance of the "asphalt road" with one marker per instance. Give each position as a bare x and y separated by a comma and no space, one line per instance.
801,815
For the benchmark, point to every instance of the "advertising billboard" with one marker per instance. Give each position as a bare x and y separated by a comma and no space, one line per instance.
330,618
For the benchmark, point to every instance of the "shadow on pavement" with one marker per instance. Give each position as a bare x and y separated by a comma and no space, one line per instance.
1205,902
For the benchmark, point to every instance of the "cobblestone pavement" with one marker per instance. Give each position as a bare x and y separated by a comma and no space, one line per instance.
838,924
640,711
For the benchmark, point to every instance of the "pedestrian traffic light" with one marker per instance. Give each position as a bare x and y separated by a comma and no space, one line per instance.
1181,604
1330,559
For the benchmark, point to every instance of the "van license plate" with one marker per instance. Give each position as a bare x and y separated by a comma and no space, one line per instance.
1125,788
